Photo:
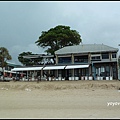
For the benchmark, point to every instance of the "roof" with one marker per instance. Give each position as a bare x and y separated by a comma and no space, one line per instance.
13,64
86,48
38,56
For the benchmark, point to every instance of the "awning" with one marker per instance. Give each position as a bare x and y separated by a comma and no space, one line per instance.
76,66
27,69
9,71
50,67
53,67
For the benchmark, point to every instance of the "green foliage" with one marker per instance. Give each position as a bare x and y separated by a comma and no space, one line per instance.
4,56
57,38
27,61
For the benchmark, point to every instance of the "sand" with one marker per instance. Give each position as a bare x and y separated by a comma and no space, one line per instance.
60,99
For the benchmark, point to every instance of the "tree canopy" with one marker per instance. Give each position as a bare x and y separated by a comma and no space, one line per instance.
27,61
4,56
58,37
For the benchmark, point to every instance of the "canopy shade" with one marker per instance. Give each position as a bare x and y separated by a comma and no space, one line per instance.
27,69
50,67
53,67
76,66
9,71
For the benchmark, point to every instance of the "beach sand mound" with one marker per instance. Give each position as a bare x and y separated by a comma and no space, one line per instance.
60,99
60,85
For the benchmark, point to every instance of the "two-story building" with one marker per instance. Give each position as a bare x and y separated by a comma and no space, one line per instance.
85,61
97,60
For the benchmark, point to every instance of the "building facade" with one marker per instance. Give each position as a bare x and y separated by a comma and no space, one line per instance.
101,60
7,73
85,61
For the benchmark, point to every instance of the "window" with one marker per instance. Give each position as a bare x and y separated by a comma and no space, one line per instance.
113,55
105,55
95,58
64,60
76,74
79,59
59,73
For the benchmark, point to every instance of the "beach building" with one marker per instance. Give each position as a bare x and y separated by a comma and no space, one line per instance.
119,68
79,62
7,73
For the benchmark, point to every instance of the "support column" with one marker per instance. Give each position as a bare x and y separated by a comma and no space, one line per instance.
72,72
57,73
39,78
27,76
56,59
93,71
72,58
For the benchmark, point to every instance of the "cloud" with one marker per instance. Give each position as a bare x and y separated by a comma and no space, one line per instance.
18,49
23,22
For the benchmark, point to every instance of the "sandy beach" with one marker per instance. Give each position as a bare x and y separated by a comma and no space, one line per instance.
60,99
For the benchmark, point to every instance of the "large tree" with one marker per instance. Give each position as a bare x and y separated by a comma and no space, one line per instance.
58,37
28,61
4,57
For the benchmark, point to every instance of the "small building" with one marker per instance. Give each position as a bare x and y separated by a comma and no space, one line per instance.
7,73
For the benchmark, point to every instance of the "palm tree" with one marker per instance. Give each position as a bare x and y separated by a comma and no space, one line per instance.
4,56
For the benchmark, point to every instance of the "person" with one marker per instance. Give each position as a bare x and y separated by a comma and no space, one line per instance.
47,76
10,75
38,78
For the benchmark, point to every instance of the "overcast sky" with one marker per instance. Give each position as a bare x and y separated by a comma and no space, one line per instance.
21,23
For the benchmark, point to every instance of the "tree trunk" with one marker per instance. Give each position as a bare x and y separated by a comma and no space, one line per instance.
3,74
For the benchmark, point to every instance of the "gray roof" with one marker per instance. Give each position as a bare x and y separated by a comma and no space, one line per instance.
38,56
86,48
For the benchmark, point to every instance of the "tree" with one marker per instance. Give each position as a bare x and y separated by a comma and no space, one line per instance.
4,56
58,37
28,61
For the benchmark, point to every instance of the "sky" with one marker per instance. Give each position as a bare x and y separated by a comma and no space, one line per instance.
22,22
